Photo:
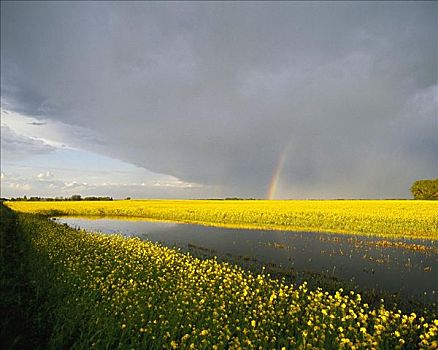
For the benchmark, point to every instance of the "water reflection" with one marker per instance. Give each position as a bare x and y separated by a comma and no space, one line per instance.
406,266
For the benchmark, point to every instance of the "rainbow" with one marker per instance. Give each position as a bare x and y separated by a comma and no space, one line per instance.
276,173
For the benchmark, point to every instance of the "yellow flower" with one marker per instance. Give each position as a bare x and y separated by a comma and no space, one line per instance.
170,294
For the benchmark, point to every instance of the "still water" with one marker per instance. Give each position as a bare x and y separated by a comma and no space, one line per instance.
407,267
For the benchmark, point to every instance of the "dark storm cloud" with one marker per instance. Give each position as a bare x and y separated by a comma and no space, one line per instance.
15,146
37,123
215,92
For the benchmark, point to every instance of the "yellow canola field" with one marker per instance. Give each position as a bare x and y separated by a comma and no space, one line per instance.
401,218
112,292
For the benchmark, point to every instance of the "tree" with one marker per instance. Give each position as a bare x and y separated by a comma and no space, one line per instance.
425,189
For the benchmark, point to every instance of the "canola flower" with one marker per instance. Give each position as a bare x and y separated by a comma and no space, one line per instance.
399,218
109,291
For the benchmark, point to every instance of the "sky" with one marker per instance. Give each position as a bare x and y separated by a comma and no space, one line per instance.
218,99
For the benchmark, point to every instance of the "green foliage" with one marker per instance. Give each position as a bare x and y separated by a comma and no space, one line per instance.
25,317
425,189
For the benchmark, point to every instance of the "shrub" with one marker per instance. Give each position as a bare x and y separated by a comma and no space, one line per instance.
425,189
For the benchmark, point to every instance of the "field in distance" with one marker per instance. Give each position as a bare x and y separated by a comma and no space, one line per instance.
396,218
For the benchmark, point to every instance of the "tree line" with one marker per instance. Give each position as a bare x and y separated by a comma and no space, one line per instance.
75,197
420,189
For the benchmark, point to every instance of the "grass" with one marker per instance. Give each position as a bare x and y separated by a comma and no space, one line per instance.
25,321
110,292
389,218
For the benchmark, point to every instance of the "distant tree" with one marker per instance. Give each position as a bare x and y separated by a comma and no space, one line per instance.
425,189
76,197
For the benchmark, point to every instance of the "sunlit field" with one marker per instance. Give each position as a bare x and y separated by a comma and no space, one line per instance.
224,175
108,291
400,218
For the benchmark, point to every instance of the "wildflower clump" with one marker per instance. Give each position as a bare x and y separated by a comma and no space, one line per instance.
112,292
